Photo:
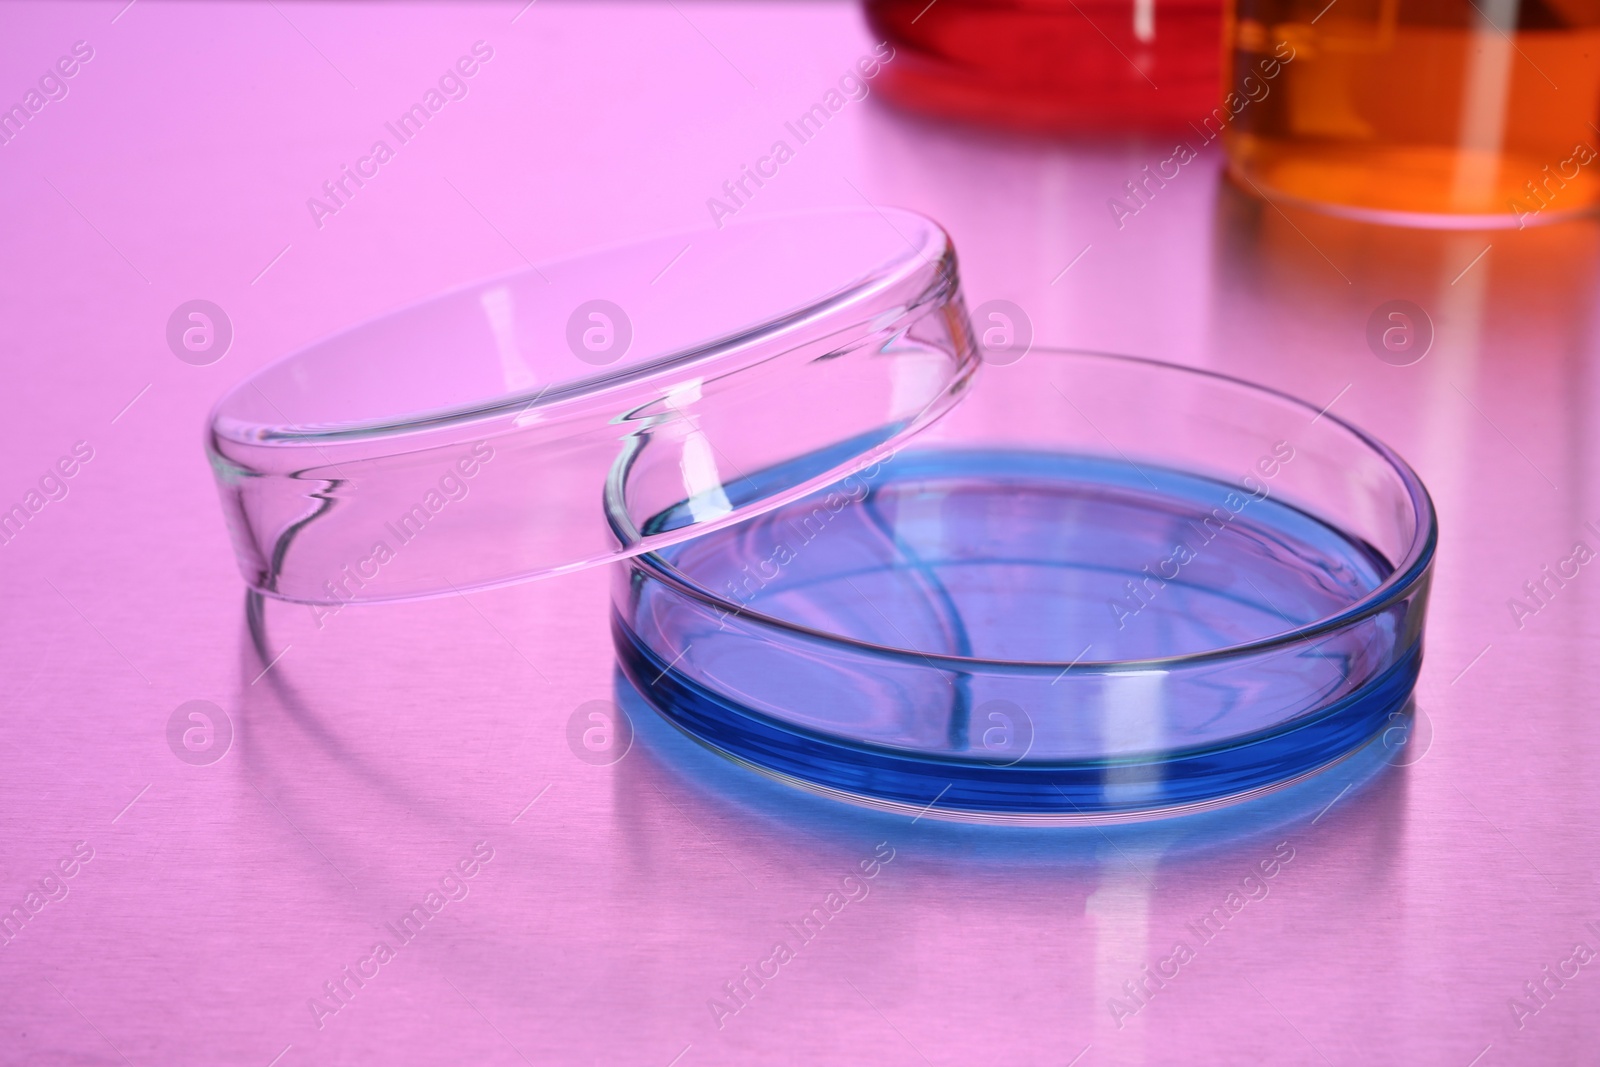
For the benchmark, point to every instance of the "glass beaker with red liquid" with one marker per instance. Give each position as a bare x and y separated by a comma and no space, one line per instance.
1064,66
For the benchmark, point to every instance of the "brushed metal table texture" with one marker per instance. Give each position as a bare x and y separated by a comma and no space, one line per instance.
394,843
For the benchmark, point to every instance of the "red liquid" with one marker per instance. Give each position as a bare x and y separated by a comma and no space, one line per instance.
1065,66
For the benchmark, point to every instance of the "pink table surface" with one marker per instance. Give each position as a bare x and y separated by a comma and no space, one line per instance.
619,901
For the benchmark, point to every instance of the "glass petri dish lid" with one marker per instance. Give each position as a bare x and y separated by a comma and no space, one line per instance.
1102,588
535,423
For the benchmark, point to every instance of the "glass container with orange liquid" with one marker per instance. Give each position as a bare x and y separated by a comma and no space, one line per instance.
1451,113
1064,66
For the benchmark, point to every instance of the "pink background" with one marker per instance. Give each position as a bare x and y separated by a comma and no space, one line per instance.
381,747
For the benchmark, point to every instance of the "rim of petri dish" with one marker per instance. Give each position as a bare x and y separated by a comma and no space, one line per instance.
1406,573
724,349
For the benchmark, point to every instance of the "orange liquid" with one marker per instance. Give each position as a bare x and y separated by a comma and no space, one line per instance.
1435,112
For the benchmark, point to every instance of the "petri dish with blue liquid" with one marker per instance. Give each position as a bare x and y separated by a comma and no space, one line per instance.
846,554
1200,593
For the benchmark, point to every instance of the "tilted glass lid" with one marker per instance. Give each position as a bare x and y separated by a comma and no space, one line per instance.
550,419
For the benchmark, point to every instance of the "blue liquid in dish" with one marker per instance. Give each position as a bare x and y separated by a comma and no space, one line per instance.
1025,634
